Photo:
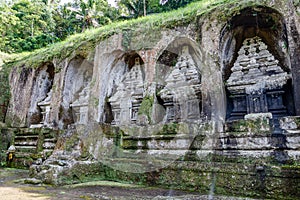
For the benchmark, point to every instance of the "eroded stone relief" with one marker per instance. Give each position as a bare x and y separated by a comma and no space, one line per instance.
182,93
256,84
125,103
80,106
76,92
46,108
40,96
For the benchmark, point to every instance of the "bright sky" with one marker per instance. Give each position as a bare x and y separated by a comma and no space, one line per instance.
111,2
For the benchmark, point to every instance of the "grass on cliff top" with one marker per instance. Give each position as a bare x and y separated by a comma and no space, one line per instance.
3,58
81,44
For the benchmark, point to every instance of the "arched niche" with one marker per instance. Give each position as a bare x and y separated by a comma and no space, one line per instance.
254,50
124,100
40,100
75,95
178,79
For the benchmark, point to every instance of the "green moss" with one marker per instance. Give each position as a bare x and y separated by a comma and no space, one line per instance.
40,141
297,121
126,40
71,142
95,101
129,144
252,126
292,167
169,129
146,107
147,40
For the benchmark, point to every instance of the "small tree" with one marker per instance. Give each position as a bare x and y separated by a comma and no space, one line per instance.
135,8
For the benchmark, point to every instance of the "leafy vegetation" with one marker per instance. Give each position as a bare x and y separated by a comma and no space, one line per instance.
81,43
146,107
137,8
26,25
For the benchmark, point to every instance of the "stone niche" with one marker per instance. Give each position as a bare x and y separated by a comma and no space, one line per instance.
255,64
180,92
38,115
80,106
76,92
257,82
128,95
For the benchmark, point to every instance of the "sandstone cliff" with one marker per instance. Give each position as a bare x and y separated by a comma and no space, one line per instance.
214,81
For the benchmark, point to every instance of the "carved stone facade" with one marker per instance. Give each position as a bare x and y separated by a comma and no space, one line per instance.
184,78
80,106
257,82
41,94
75,94
182,94
125,103
46,108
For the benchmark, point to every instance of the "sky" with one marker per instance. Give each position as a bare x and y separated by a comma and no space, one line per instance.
111,2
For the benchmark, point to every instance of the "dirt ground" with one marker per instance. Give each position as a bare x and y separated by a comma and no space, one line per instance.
12,187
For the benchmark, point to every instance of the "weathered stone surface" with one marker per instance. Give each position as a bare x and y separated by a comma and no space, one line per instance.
210,102
182,93
41,92
127,100
256,82
32,181
21,97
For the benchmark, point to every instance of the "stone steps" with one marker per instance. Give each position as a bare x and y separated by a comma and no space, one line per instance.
33,144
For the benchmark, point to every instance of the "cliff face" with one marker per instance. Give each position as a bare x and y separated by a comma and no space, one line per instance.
225,84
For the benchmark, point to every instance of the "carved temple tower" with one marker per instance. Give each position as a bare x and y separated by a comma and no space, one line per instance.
125,103
256,84
182,92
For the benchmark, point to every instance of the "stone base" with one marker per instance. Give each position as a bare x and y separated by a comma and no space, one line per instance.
247,162
220,175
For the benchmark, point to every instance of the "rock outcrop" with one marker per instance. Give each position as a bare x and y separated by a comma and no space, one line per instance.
211,102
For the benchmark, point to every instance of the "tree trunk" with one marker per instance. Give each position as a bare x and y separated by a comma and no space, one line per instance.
145,8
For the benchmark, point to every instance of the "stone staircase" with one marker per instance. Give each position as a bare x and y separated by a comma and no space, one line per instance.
33,145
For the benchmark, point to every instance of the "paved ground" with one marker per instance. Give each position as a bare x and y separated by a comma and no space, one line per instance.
12,187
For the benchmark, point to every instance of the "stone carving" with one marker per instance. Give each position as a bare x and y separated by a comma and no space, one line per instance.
40,90
256,83
182,93
45,107
80,106
75,92
126,101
